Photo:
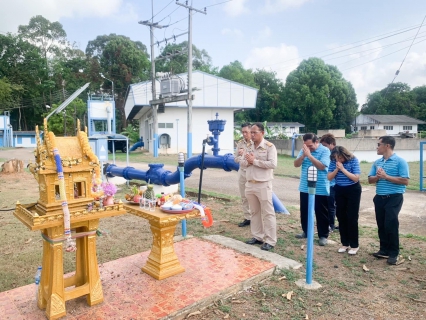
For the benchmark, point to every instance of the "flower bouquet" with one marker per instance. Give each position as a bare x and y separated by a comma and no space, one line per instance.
109,190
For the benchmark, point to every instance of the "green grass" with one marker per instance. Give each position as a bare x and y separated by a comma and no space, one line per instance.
285,166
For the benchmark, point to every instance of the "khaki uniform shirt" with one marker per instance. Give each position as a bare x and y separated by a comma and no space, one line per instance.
242,144
264,163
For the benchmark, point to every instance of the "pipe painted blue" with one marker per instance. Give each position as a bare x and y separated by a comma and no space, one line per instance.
310,241
139,144
158,175
189,144
182,193
155,145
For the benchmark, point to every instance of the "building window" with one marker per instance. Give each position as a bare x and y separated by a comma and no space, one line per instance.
33,141
407,128
355,128
364,128
79,190
371,127
165,125
388,127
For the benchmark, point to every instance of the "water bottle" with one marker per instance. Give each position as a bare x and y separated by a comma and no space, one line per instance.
37,278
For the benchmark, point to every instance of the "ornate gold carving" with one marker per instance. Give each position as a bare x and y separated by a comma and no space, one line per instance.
55,306
97,293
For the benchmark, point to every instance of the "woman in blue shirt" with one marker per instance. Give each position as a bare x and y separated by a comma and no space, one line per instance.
344,168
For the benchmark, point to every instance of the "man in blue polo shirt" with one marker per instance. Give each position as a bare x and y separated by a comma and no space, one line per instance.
390,174
314,154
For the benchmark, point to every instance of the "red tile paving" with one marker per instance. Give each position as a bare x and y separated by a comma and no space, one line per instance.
130,293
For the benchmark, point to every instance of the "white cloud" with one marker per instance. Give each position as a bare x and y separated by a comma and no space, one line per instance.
20,12
274,6
262,34
282,59
236,7
371,67
233,32
377,75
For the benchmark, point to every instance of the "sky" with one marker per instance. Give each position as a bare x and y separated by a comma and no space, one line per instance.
367,40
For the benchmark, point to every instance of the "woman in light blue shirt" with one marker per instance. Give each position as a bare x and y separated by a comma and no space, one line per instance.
344,168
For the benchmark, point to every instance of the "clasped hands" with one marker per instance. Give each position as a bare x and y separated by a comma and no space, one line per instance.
306,151
249,157
381,174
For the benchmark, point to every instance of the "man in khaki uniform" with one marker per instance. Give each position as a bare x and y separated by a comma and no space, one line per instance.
242,146
260,164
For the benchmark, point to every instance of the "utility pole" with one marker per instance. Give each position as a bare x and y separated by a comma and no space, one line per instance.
154,107
189,101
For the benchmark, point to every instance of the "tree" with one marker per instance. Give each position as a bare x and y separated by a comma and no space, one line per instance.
270,104
319,97
121,60
179,63
236,72
8,96
22,64
48,36
396,99
64,123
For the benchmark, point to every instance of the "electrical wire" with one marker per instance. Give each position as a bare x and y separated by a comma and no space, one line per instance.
381,37
397,71
162,10
216,4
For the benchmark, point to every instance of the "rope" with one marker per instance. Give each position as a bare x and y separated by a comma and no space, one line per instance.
73,236
70,245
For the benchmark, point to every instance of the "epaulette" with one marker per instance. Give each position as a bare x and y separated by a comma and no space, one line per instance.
269,144
241,140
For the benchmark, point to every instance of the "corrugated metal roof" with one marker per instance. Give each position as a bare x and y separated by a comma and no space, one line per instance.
285,124
393,119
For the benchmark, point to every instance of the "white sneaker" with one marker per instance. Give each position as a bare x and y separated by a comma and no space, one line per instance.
353,251
343,249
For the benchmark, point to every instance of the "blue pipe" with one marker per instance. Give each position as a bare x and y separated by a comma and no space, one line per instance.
310,242
158,175
182,193
155,145
139,144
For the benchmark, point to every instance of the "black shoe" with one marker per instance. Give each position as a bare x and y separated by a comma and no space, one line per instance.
381,254
301,235
244,223
254,241
393,260
266,247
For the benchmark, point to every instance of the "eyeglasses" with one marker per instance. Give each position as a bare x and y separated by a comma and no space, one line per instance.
255,132
381,144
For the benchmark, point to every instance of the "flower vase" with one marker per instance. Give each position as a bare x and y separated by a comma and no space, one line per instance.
109,201
149,198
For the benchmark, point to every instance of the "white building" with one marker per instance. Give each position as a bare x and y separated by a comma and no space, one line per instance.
212,95
393,124
287,128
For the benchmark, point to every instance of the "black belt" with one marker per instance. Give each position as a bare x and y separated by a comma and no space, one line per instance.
386,196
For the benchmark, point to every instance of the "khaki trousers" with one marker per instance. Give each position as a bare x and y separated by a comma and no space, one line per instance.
242,187
263,221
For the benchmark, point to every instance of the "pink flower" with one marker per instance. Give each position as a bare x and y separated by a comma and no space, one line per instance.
109,188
